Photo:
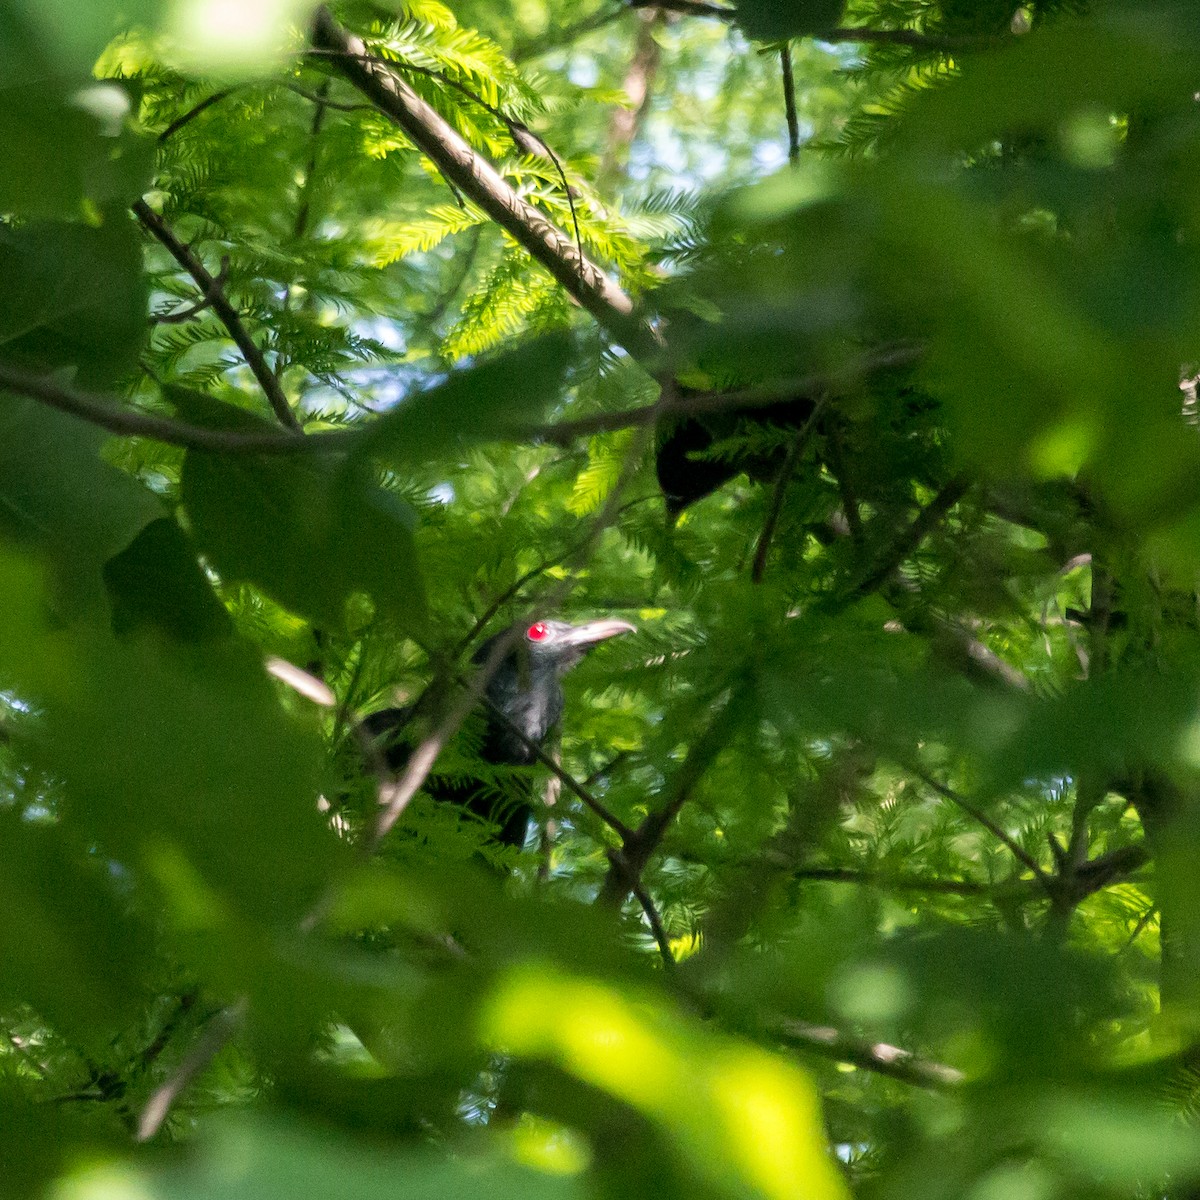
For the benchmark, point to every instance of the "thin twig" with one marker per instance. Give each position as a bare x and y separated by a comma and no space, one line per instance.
630,861
220,1031
794,452
179,122
1139,928
656,925
192,310
553,39
325,102
899,883
880,1057
98,410
977,814
837,464
951,493
230,317
562,433
789,103
567,780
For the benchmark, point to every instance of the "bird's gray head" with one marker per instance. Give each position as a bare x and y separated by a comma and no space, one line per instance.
526,685
562,645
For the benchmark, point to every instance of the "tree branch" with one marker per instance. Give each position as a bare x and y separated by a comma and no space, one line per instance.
628,863
794,451
221,1030
789,103
880,1057
99,410
230,317
1018,851
568,781
926,520
563,433
471,173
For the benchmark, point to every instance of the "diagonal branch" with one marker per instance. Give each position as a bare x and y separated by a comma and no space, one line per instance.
127,422
794,451
925,522
221,1030
880,1057
568,781
229,315
628,863
977,814
476,178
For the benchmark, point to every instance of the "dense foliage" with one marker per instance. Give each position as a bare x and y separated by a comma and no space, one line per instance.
335,340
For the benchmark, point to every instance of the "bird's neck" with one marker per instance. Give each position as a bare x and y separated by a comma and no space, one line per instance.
532,700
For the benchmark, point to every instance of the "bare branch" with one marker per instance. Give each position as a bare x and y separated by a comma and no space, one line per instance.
789,103
193,112
568,781
192,310
794,451
628,864
472,174
880,1057
656,924
563,433
926,520
99,410
977,814
230,317
219,1033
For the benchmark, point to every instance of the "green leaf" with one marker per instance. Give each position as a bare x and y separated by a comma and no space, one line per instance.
310,532
500,398
68,155
68,946
748,1121
779,20
157,583
251,1159
73,295
175,761
62,36
58,495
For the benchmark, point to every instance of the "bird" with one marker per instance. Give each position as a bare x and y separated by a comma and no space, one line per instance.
685,478
524,702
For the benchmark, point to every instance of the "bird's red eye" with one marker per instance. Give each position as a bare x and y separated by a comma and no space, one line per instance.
537,631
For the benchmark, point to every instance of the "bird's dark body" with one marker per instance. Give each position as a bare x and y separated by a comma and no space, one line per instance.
527,689
685,478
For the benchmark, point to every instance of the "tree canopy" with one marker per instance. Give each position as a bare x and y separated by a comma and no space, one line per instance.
848,351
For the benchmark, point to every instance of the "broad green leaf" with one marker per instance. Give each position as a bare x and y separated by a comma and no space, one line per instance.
494,400
69,947
779,20
61,37
311,533
58,495
746,1119
73,295
156,582
175,761
67,154
263,1160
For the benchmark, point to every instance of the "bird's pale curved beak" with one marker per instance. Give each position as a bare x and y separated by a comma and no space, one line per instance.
591,632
